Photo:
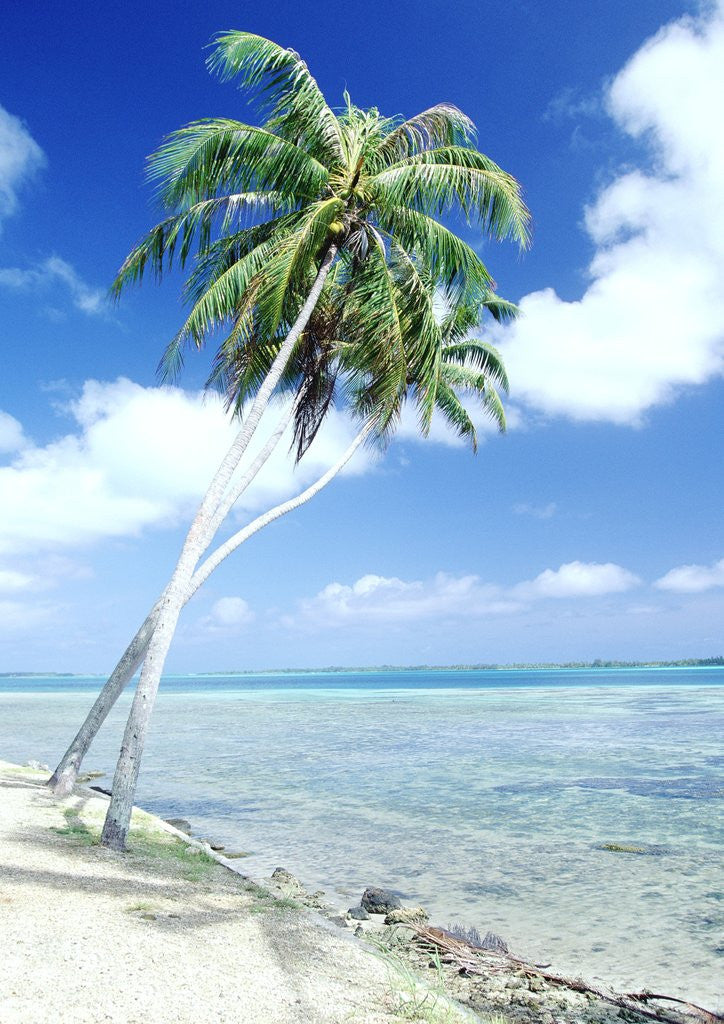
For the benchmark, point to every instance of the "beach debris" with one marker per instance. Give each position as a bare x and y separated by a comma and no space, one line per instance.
379,901
407,915
358,913
235,854
89,776
472,936
100,789
492,941
37,766
474,960
180,823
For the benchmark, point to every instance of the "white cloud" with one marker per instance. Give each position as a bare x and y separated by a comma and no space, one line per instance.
51,271
389,599
11,433
578,579
12,580
141,457
523,508
228,615
652,319
374,598
692,579
20,157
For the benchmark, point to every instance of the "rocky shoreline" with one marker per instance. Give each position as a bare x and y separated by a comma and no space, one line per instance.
480,973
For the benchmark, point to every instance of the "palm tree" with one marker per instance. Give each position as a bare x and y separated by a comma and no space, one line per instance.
463,366
268,212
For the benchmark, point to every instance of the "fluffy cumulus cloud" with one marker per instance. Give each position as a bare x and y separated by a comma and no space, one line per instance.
652,318
55,271
20,158
228,615
375,598
579,579
139,457
693,579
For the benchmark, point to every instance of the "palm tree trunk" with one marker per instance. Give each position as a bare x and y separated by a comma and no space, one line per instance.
64,777
235,541
115,828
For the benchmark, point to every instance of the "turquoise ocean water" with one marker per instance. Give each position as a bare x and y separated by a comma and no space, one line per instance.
485,796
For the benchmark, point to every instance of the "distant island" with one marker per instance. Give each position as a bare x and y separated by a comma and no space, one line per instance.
482,667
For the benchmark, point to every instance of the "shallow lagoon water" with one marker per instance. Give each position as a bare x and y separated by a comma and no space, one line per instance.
485,796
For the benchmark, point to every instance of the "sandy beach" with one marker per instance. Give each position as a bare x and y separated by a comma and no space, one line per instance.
156,934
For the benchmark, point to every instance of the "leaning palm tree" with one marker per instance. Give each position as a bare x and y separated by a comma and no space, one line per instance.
267,212
463,366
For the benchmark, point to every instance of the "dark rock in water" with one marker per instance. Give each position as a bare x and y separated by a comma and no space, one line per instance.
229,855
379,901
100,789
492,941
210,843
358,914
180,823
283,877
407,915
642,850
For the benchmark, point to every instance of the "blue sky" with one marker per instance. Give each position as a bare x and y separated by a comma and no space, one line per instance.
592,529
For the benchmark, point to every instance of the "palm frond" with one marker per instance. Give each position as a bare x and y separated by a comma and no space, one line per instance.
441,125
220,155
481,356
282,82
455,414
450,178
462,378
451,261
175,235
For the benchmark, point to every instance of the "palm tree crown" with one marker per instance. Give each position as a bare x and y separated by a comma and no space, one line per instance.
259,206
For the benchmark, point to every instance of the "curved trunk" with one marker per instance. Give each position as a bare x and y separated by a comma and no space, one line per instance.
115,828
64,777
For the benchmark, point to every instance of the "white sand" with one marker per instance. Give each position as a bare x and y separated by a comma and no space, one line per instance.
75,946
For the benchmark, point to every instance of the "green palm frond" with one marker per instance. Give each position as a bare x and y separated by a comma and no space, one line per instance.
454,264
289,94
441,125
477,383
175,235
294,256
220,155
455,414
441,180
480,356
